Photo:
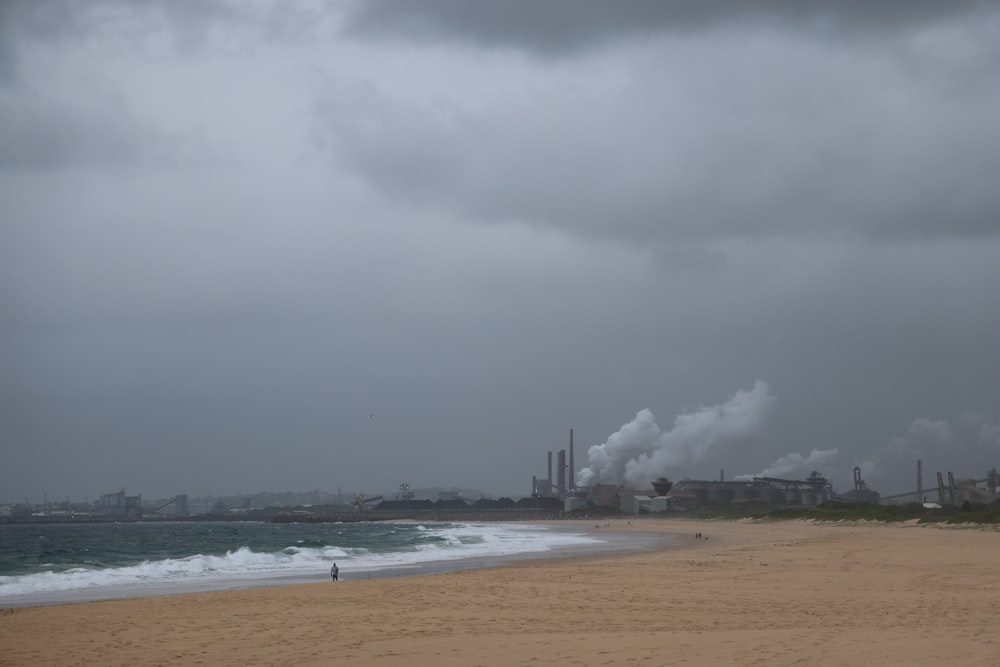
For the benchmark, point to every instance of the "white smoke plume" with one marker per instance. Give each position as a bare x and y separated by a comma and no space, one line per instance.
640,452
794,465
923,437
980,430
872,467
989,436
936,442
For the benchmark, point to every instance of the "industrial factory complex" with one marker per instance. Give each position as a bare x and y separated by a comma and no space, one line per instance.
556,493
685,494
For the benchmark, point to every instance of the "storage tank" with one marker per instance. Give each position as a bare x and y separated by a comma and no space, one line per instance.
717,494
662,486
660,504
574,504
772,495
699,491
629,504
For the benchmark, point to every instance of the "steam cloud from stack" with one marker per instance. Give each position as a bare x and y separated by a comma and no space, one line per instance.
640,452
794,465
936,442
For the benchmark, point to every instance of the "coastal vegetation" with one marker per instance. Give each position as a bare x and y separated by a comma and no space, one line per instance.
834,510
966,513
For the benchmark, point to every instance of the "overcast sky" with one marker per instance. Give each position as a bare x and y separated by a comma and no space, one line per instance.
254,246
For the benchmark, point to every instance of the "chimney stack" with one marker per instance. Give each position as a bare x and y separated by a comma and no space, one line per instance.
548,482
920,481
561,475
572,468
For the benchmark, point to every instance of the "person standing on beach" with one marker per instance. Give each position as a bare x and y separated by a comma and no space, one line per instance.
334,571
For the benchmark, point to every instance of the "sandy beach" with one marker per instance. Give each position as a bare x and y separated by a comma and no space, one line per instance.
786,593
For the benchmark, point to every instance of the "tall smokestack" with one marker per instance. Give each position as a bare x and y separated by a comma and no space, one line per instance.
572,468
561,475
548,482
920,481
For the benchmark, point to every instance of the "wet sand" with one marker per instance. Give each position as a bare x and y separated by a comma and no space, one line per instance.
788,593
607,542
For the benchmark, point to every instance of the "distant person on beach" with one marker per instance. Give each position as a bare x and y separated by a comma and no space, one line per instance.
334,571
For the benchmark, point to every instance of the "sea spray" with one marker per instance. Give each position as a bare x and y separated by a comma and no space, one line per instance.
44,558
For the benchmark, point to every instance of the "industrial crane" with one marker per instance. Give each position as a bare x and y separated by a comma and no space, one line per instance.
361,503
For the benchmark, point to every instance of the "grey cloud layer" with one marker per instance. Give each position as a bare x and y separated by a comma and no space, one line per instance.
234,230
569,26
843,145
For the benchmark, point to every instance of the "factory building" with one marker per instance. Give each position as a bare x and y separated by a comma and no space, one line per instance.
533,503
860,493
809,492
688,493
574,504
642,504
559,482
119,505
950,491
814,490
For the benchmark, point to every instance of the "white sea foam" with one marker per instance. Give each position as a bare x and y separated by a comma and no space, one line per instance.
456,541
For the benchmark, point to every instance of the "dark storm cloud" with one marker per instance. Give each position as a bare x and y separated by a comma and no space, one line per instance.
43,134
230,235
24,20
756,128
26,23
567,26
86,120
938,444
55,24
748,142
58,20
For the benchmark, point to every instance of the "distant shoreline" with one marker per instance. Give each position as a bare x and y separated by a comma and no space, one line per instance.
613,542
519,515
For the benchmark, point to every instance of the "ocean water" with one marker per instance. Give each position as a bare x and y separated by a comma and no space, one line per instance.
90,561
